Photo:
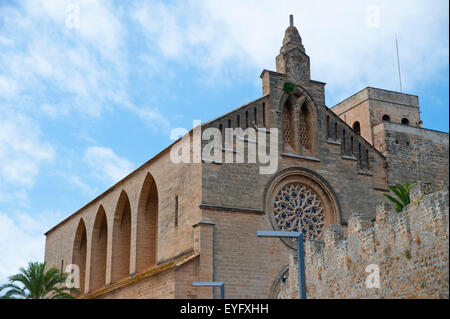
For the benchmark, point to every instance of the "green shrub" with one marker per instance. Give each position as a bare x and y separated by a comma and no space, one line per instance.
288,87
401,196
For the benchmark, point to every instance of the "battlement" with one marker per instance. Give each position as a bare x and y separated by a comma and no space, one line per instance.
410,250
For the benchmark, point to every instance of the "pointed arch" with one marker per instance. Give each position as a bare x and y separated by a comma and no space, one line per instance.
290,142
121,241
307,120
98,250
279,283
357,127
147,225
298,116
79,252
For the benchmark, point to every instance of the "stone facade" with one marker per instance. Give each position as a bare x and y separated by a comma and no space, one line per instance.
166,224
426,151
410,250
371,106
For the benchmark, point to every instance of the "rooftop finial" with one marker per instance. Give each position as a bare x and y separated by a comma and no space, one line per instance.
292,36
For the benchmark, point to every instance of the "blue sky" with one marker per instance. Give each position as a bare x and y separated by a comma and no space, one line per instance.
82,107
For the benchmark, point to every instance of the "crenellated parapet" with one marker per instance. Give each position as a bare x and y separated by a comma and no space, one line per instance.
406,251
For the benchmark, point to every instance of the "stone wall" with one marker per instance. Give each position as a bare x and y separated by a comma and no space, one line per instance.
409,248
413,153
369,105
246,263
168,281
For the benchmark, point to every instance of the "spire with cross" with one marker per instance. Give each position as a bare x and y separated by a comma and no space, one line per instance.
291,37
292,59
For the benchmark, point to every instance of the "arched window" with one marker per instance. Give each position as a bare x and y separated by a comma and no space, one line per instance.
279,285
247,120
147,225
405,121
328,127
351,145
264,114
344,141
367,159
360,156
98,251
357,127
305,128
386,118
289,127
79,253
121,239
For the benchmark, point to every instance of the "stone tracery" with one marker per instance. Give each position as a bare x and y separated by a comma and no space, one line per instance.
298,199
297,208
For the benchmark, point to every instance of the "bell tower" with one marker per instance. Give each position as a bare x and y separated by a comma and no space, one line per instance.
292,60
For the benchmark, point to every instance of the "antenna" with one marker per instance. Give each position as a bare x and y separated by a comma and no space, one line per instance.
398,63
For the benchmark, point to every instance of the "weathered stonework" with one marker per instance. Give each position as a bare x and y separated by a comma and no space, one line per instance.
409,248
426,152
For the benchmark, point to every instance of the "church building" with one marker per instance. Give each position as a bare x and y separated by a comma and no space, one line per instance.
169,224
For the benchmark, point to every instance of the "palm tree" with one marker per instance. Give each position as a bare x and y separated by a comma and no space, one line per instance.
402,196
36,283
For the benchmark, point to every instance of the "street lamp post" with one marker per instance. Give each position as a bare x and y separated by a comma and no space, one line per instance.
300,254
212,284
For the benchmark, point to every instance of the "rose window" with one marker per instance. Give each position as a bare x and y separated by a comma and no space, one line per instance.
298,208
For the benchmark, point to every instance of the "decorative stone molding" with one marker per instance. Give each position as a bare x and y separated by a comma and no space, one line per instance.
308,180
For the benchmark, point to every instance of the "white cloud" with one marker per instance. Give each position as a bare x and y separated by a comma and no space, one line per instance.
22,240
8,87
56,111
5,41
82,71
21,153
106,165
345,52
98,25
85,188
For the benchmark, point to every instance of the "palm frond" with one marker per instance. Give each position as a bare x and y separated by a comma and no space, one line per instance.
401,193
36,283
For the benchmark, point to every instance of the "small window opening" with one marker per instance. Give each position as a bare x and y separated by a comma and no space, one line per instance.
246,120
357,127
264,114
176,211
328,127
